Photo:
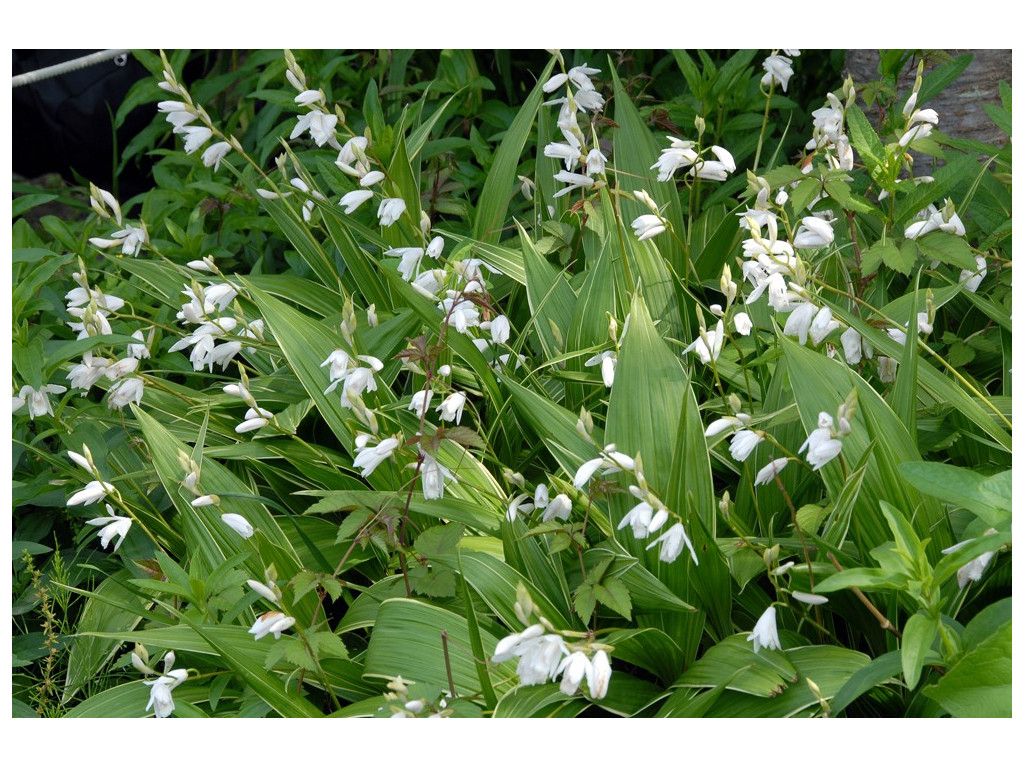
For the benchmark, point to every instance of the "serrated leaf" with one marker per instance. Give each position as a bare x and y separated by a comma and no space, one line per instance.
613,593
439,540
947,248
328,645
584,601
303,582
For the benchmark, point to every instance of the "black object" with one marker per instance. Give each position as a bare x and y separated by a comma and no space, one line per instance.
64,124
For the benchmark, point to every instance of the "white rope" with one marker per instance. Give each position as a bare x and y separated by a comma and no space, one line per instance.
64,67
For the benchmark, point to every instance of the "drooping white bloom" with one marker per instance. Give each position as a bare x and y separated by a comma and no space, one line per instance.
610,461
809,598
195,137
743,443
574,180
569,154
451,408
461,312
821,445
638,518
741,321
264,590
559,507
599,674
320,125
595,162
679,155
722,424
215,153
370,457
38,400
540,496
813,232
778,69
971,571
711,348
433,475
887,369
352,200
95,490
971,280
390,210
371,178
672,543
766,632
409,266
271,622
555,82
112,525
770,471
647,226
851,346
822,325
500,329
140,351
255,418
160,699
919,126
125,391
714,170
420,402
540,658
238,524
799,321
573,668
519,505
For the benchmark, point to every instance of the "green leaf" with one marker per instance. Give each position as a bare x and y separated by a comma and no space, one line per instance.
919,633
584,600
878,672
962,487
866,142
948,248
489,216
862,578
613,593
979,684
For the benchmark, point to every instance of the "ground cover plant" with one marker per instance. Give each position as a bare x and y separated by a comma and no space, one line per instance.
519,384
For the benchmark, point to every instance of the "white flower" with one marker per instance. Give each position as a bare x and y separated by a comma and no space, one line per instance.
373,177
540,496
714,170
141,351
799,321
971,280
770,471
160,700
125,391
851,346
722,424
814,232
743,444
451,408
433,475
599,674
517,505
711,348
973,570
810,599
215,153
565,152
673,540
573,669
273,622
95,490
778,69
766,633
309,97
647,226
559,507
112,525
264,590
822,325
886,369
209,500
540,659
195,137
319,124
370,457
391,208
420,402
639,518
352,200
121,368
555,82
679,155
741,321
38,400
574,180
511,646
255,418
821,447
238,524
595,162
500,329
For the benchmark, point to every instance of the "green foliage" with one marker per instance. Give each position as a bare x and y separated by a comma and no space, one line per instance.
421,387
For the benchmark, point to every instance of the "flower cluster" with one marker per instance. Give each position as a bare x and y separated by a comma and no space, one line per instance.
581,97
778,68
545,656
823,444
160,699
182,112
